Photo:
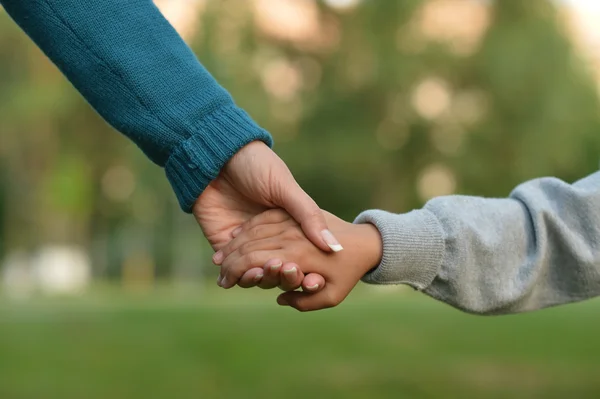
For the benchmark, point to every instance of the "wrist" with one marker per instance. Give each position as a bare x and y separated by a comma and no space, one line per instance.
240,158
365,246
196,161
414,246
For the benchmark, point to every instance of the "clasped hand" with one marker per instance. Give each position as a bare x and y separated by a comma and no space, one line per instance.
268,232
272,245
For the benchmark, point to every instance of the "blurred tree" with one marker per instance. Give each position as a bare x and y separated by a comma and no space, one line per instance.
412,99
543,109
57,156
381,105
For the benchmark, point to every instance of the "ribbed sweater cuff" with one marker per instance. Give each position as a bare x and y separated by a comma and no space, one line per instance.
413,247
198,160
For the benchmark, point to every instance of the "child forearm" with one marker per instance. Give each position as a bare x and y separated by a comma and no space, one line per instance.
540,247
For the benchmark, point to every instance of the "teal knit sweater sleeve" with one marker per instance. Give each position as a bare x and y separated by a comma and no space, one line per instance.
139,75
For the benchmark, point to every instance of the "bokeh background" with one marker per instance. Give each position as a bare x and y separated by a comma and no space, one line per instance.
107,289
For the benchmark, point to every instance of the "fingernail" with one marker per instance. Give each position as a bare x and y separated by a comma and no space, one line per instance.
236,232
313,287
276,266
331,241
290,271
257,278
219,281
224,282
218,257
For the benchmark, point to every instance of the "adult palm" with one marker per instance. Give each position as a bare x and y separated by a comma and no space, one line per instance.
221,209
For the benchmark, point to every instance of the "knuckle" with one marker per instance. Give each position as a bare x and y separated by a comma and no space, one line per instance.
246,282
245,248
246,225
238,269
251,259
227,250
276,215
256,231
249,223
315,213
293,233
233,275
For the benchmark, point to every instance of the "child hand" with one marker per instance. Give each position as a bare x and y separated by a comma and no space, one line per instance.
273,238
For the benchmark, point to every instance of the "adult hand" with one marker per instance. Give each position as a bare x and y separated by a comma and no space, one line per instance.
254,180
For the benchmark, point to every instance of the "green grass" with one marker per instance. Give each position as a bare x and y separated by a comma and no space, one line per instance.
240,345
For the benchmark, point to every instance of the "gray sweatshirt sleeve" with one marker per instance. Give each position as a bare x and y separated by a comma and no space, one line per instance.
540,247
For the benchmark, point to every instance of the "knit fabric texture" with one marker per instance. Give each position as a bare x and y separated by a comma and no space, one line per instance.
137,72
539,247
413,247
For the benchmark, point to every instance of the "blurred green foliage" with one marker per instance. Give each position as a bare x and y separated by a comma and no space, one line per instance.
374,111
363,115
537,106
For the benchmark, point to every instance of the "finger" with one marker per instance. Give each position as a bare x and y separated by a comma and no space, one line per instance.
271,278
313,282
306,212
236,269
270,216
246,250
251,278
308,301
291,277
253,233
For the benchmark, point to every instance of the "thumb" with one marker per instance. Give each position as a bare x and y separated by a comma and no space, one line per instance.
306,212
308,301
313,282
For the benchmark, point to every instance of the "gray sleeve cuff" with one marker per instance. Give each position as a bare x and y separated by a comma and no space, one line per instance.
413,247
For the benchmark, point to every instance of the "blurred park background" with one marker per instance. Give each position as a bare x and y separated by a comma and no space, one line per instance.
107,289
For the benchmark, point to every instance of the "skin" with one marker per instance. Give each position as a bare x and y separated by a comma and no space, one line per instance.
254,180
273,237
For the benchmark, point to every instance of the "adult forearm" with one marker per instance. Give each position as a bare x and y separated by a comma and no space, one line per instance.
540,247
138,73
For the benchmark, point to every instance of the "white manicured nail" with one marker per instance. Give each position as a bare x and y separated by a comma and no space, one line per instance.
331,241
